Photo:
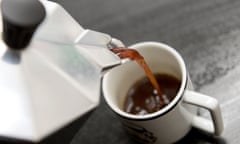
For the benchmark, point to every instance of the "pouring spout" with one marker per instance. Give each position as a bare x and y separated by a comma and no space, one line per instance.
96,46
114,43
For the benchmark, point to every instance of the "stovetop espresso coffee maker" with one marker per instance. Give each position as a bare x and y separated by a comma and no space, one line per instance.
50,69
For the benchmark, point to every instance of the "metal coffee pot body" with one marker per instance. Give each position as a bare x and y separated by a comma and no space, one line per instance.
50,68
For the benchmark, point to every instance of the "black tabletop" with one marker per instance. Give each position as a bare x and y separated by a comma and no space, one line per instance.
206,33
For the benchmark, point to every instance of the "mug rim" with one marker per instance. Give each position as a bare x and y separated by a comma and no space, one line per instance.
167,108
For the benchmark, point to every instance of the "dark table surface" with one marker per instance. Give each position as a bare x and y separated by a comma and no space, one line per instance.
205,32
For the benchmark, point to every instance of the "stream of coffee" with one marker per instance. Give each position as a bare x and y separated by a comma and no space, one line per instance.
135,55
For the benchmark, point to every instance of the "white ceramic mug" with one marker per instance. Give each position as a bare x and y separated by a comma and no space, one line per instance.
172,122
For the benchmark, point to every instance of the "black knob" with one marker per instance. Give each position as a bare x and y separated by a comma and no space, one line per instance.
20,20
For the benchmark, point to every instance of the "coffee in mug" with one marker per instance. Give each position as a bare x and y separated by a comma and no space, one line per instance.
147,96
142,98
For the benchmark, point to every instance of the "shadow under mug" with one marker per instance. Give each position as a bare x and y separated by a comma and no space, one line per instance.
172,122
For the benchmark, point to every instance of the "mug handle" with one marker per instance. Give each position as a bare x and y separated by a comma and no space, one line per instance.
212,105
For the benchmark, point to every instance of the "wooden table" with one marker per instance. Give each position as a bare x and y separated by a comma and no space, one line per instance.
206,33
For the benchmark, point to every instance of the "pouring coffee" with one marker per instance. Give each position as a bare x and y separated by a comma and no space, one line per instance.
147,95
50,76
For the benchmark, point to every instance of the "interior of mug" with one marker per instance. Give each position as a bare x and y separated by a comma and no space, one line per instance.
160,58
